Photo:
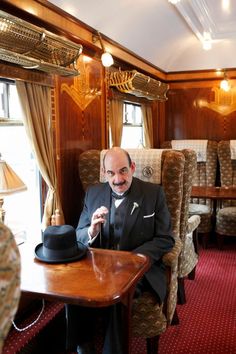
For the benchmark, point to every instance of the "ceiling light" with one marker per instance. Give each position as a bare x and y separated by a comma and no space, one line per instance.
224,84
207,41
225,5
174,2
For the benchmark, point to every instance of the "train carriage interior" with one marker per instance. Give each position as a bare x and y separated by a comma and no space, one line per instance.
153,77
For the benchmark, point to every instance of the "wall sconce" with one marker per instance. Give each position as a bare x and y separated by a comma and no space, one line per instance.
9,183
107,59
224,84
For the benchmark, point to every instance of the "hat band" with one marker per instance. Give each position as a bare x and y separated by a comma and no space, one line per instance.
60,254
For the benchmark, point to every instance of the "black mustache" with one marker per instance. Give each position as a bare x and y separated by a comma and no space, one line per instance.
119,184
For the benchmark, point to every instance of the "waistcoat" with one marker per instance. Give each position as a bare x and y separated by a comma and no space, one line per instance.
117,217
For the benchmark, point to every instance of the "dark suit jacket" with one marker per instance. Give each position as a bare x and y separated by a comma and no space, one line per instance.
147,230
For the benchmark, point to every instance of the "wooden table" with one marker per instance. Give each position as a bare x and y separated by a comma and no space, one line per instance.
217,193
101,278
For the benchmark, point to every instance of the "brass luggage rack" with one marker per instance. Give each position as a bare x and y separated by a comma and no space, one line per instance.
33,47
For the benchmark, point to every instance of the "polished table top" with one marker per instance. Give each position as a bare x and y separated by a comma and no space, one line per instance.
214,192
101,278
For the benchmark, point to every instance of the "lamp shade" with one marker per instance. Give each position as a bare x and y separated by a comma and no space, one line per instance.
9,181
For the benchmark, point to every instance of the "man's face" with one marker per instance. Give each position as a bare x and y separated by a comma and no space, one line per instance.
117,171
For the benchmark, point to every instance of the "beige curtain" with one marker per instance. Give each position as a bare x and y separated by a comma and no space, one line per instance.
147,125
36,103
116,121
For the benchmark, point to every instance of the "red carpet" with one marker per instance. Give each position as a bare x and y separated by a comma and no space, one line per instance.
208,319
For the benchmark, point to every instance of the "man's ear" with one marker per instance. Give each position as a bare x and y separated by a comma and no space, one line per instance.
133,166
103,173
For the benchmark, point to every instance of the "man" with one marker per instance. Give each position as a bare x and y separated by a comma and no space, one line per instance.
131,215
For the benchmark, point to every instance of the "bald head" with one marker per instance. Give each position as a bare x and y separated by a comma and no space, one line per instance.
116,153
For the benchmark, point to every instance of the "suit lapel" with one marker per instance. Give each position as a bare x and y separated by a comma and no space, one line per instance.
133,210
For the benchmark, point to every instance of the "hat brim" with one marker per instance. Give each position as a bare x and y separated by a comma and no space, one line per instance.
82,250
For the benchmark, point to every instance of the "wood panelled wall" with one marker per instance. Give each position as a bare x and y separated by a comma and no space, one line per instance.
80,125
200,113
195,109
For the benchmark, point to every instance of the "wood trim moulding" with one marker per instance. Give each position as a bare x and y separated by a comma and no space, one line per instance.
177,77
10,71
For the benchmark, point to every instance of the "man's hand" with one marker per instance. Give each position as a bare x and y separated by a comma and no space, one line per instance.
98,218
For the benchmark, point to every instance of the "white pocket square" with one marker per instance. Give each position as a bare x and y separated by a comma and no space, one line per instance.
148,216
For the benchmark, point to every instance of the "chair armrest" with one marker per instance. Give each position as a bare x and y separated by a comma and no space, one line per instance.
171,257
193,223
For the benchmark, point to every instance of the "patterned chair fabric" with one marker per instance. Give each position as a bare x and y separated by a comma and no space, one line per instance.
226,213
10,281
188,257
205,175
150,319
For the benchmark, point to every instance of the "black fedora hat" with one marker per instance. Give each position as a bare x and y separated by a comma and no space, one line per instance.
60,245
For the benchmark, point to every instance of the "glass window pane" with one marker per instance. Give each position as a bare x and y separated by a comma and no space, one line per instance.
132,135
3,100
15,111
23,211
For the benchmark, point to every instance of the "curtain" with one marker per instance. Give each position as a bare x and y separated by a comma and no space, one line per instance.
147,124
36,104
116,121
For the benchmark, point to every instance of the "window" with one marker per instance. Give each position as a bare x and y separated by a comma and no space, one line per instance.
23,210
132,135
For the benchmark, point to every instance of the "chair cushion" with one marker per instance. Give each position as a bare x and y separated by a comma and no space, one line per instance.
226,221
198,209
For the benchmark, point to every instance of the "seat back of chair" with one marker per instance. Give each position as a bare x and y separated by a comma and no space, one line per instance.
10,270
188,256
227,168
205,173
189,173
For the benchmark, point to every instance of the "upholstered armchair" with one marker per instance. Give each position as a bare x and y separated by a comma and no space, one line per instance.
149,319
10,280
205,175
226,209
188,258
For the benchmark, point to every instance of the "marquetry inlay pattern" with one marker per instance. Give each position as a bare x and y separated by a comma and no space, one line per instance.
224,102
81,91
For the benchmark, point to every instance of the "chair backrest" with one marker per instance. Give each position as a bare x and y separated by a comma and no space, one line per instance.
227,168
171,176
10,268
189,172
205,173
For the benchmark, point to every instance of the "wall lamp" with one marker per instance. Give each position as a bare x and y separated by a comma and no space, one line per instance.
107,59
10,183
224,84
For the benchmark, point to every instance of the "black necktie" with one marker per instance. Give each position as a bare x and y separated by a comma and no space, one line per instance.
119,196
